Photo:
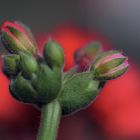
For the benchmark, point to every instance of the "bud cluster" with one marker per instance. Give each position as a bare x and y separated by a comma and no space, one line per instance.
32,81
40,82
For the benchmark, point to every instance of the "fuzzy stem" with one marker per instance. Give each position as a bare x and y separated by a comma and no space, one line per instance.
49,121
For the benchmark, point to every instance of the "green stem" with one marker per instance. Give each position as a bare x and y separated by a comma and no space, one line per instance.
49,121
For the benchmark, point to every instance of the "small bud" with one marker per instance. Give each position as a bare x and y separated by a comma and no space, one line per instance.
22,90
10,66
17,38
53,54
109,65
85,56
47,83
28,64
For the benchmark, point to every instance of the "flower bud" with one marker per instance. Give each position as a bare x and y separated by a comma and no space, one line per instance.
28,64
22,90
53,54
10,66
17,38
47,83
109,65
85,56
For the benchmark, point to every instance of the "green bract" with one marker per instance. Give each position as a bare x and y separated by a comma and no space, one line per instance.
77,92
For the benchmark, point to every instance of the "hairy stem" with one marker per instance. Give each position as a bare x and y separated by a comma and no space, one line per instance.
49,121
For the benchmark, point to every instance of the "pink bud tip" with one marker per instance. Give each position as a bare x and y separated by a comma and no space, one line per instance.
109,58
7,24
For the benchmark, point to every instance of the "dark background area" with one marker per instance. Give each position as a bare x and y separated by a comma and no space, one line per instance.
117,20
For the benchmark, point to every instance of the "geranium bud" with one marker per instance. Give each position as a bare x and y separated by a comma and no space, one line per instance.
109,65
54,54
10,66
28,64
22,90
85,56
17,38
47,83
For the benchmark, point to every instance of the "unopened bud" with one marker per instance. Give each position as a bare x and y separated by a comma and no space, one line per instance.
17,38
10,66
22,90
47,83
28,64
109,65
85,56
53,54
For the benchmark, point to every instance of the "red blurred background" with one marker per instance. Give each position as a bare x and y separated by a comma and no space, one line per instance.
115,114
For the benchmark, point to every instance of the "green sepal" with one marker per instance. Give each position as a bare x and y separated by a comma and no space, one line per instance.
78,92
22,90
47,83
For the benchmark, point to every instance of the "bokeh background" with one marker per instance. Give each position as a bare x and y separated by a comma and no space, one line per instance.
115,115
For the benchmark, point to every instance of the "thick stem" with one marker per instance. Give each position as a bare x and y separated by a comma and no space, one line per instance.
49,121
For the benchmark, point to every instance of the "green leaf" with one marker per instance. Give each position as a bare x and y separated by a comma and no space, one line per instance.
78,92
